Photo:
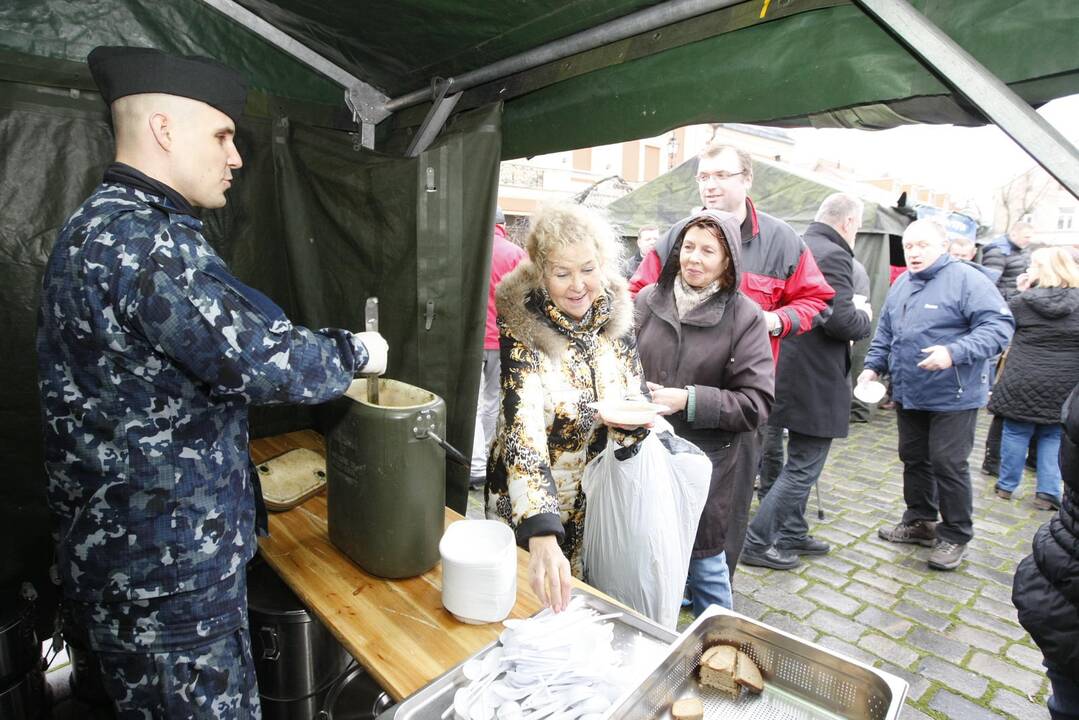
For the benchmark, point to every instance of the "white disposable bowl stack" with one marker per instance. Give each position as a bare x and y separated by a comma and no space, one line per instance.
479,570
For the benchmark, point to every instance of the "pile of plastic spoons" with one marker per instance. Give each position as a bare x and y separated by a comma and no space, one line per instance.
550,667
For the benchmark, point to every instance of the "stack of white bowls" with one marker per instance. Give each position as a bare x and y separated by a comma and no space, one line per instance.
479,570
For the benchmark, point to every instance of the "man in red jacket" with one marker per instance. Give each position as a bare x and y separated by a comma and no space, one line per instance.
504,257
779,274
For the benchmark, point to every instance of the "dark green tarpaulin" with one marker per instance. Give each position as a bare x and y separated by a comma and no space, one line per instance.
314,221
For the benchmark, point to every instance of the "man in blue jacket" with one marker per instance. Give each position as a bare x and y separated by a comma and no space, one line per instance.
941,323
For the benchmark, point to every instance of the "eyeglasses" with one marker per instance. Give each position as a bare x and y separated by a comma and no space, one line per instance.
702,178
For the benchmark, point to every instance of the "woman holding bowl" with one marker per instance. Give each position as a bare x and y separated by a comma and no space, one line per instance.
566,340
706,355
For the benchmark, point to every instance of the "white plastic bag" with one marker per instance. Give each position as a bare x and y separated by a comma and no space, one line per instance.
641,521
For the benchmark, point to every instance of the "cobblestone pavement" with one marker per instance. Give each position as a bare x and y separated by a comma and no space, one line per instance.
954,635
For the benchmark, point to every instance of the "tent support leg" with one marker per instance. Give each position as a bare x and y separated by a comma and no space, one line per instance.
441,107
942,55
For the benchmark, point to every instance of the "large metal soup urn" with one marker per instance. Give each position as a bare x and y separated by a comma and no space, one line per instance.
386,478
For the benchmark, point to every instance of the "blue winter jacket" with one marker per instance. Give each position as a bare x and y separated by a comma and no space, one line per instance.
949,303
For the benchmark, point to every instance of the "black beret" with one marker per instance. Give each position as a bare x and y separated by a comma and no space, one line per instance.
122,71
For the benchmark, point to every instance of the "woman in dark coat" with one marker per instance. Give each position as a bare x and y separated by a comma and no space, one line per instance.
1046,586
705,353
1042,368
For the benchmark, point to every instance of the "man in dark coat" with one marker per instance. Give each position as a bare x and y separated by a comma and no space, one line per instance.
812,393
1046,586
1010,255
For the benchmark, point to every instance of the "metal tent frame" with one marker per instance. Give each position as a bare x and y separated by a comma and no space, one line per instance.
924,40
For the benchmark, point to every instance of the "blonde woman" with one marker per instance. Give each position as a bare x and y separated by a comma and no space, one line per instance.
1042,368
566,340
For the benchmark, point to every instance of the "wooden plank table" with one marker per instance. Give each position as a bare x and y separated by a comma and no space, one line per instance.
396,629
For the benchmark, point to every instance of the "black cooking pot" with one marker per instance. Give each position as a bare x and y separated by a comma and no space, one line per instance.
20,652
24,699
297,660
356,697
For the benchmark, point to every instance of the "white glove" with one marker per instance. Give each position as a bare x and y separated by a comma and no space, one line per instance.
377,352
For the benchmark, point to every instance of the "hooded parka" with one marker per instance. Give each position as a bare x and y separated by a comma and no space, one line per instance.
1043,360
551,369
721,348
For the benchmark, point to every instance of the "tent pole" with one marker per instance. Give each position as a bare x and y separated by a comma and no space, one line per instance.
367,104
967,76
621,28
441,107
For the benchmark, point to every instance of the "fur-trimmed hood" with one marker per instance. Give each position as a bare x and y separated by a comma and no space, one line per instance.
519,300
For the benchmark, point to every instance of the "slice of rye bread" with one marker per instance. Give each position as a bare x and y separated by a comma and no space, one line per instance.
718,666
728,670
690,708
748,675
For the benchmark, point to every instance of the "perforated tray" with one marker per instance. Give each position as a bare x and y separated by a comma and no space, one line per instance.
639,641
802,680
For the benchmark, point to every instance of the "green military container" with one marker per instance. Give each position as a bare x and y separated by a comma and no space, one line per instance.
386,478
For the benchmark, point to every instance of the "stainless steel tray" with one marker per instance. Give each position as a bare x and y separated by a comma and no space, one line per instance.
641,643
802,680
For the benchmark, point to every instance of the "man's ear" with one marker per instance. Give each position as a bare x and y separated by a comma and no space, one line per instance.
161,129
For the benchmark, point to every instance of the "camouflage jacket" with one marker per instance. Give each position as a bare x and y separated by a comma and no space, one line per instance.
149,353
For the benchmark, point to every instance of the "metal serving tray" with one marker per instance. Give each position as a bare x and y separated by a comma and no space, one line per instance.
641,643
802,680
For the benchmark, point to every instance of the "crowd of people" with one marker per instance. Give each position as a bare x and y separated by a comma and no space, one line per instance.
743,330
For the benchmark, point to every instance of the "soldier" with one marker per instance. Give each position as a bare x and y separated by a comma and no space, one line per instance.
149,354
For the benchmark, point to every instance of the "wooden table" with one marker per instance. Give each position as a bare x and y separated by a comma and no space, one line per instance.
396,629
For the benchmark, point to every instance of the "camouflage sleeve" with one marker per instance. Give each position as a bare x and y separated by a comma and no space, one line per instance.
234,338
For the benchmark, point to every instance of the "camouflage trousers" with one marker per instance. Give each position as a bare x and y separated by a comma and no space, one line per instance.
178,657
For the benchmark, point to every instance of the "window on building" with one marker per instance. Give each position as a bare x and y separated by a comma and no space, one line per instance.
1065,218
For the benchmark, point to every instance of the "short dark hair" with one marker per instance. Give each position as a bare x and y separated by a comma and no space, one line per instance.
712,150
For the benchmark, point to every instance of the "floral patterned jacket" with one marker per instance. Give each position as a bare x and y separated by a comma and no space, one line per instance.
552,368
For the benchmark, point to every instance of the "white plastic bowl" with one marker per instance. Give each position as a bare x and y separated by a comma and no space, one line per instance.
870,392
479,570
628,412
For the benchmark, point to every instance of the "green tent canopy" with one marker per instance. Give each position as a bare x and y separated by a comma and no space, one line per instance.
812,62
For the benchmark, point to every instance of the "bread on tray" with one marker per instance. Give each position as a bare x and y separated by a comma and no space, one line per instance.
690,708
728,670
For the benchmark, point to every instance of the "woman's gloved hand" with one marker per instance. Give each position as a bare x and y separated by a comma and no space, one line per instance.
377,352
548,572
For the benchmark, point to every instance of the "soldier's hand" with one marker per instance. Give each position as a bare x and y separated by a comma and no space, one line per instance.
377,352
